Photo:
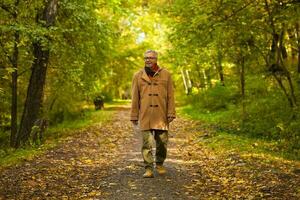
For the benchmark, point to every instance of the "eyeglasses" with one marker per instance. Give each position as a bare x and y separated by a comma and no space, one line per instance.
151,58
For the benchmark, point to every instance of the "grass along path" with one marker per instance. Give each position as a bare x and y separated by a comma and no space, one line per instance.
104,162
57,133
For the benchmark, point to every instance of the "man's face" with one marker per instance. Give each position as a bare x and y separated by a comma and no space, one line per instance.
150,59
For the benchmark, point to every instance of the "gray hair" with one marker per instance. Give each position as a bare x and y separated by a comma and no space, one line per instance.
152,51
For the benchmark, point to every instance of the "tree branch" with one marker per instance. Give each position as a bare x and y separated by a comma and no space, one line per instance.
238,10
211,26
6,53
21,73
6,8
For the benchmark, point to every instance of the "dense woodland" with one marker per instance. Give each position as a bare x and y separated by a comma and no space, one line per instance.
237,61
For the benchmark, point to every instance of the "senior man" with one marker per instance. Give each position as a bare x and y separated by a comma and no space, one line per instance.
153,108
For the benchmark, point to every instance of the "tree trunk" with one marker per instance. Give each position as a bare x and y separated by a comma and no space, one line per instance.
281,57
14,77
297,27
279,81
189,82
188,79
201,83
242,79
208,77
184,81
34,98
298,66
276,64
14,93
299,60
220,68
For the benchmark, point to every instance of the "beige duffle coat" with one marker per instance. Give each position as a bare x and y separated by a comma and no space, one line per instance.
152,100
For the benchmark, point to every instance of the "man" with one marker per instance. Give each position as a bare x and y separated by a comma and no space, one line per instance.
154,108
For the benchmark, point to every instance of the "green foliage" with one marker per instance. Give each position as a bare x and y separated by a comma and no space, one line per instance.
221,118
234,39
96,46
265,117
88,53
53,136
228,142
4,107
290,135
213,99
264,131
268,117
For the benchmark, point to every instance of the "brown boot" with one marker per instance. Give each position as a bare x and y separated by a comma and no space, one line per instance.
161,170
148,173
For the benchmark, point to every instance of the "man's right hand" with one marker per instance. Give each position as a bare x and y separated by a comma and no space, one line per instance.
134,122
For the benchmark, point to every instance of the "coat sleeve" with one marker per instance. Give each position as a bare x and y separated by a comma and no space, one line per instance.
135,99
171,100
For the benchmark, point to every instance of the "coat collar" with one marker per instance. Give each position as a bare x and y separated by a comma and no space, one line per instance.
146,77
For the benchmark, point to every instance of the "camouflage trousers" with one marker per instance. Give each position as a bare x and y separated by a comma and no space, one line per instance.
161,140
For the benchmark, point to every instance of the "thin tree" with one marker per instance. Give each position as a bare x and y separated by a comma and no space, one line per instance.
34,98
13,59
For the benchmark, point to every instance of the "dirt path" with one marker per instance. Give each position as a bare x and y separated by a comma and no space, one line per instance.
104,162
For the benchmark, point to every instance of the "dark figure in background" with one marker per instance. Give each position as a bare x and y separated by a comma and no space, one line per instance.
99,103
